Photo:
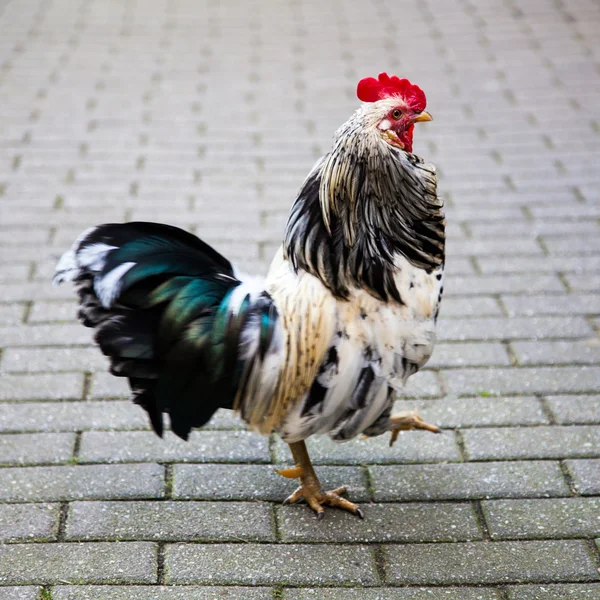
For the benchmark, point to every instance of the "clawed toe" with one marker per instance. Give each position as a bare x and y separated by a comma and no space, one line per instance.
334,499
407,420
318,499
295,497
310,489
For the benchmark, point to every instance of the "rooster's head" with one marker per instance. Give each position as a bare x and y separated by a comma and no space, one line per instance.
397,106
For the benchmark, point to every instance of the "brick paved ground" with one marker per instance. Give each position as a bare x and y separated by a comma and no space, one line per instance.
208,115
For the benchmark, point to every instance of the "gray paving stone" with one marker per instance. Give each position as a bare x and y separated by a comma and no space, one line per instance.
498,562
50,312
58,386
515,328
534,442
33,360
411,447
93,482
11,314
440,593
468,481
423,384
544,518
203,446
495,247
36,448
256,482
586,475
264,564
28,522
573,591
225,419
574,410
132,562
105,385
140,592
477,412
540,380
538,353
20,593
556,212
533,229
495,213
583,283
502,284
572,245
468,355
550,264
71,416
552,304
473,306
171,521
455,265
441,522
46,335
14,272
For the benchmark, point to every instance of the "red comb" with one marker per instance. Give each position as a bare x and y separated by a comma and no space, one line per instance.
370,89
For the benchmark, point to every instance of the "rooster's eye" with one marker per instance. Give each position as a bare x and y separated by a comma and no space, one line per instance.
396,114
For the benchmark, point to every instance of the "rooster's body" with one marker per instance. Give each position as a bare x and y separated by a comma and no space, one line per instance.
345,316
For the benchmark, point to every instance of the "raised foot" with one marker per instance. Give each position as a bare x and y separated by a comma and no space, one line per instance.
315,497
407,420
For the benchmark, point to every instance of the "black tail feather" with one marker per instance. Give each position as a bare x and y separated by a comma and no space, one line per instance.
157,298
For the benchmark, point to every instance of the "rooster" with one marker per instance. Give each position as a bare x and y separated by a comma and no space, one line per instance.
346,314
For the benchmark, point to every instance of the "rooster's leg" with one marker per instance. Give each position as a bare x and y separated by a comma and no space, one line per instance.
408,419
310,487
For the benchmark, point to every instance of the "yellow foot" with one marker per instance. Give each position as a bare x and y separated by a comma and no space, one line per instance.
310,488
315,497
406,420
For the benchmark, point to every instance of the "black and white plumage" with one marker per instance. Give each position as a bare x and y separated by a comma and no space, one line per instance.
368,224
346,314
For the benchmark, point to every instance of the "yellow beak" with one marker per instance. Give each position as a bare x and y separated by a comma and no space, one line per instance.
424,116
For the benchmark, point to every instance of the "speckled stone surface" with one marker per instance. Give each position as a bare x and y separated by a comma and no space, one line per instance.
468,480
40,484
203,446
28,522
133,562
586,476
569,410
20,593
540,442
36,448
554,518
99,592
393,594
412,522
209,115
263,564
481,562
171,521
580,591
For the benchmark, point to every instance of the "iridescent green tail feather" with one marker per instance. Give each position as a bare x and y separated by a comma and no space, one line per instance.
172,316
